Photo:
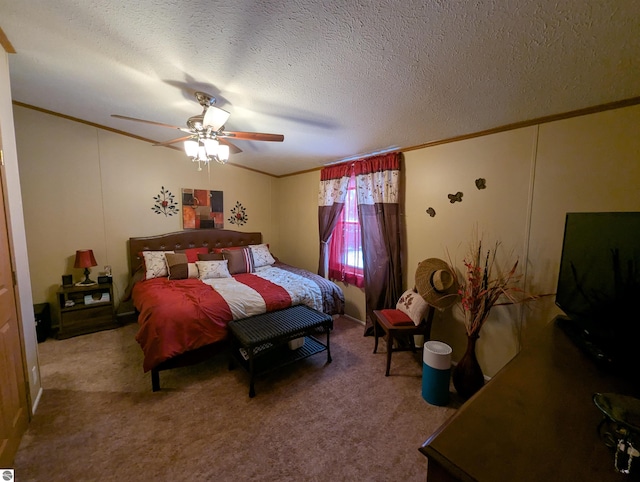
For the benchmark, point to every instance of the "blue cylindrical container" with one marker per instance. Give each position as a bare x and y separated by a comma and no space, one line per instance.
436,371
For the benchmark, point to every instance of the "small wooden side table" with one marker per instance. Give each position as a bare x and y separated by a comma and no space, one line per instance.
92,309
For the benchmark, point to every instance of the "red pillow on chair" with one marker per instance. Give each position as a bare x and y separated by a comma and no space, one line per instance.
397,317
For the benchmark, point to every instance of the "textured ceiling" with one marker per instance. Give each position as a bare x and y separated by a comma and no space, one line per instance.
338,78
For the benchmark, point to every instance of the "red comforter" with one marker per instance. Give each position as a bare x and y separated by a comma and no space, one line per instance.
176,316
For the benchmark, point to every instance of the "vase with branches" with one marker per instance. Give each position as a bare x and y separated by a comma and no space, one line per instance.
483,286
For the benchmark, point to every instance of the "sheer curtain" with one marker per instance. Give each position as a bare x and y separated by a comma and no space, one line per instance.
377,184
334,181
345,246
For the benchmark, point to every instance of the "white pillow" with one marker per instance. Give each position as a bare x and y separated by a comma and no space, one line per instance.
155,264
413,305
212,269
261,255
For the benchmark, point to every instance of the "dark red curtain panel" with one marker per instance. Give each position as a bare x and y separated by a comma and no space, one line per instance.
377,180
333,189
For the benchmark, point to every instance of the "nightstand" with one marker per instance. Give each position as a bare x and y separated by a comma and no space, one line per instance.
92,310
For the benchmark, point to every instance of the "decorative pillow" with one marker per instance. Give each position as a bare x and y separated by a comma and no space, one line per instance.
230,248
179,267
155,264
413,305
261,255
240,260
192,253
212,269
210,257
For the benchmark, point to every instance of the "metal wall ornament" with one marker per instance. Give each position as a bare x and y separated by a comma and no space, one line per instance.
238,215
165,203
481,183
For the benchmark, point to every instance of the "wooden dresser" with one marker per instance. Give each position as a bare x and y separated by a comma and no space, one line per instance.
534,421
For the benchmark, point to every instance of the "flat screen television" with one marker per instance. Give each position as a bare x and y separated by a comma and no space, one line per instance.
599,286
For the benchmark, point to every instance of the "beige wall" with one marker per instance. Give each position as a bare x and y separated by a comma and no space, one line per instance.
296,205
534,175
497,213
84,187
89,188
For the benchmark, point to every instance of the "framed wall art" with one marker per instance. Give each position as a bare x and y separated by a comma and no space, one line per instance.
202,209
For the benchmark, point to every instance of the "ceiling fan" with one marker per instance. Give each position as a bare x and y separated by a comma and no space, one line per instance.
206,139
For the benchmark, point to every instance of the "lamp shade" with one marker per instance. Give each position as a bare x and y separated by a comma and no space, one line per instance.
215,118
223,152
202,154
191,148
85,259
210,146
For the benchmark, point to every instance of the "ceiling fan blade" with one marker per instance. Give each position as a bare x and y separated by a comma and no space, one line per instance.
232,147
172,141
252,136
147,122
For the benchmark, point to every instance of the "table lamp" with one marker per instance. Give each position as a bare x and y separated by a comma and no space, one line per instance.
86,260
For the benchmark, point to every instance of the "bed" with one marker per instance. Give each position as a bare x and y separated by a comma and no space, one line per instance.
183,311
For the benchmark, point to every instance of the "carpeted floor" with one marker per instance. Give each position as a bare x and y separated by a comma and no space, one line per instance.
99,420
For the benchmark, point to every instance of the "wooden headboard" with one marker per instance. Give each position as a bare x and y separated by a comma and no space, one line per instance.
193,238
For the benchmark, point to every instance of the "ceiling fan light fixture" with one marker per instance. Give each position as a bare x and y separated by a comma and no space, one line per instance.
211,146
223,154
215,118
205,150
206,140
202,154
191,148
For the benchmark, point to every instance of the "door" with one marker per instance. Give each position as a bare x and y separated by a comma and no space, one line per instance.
14,414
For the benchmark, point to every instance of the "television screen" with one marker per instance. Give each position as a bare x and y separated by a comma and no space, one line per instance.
599,281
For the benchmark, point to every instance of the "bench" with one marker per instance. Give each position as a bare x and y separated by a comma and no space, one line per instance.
261,343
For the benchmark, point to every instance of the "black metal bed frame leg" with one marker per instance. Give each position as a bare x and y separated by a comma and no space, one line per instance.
155,380
328,344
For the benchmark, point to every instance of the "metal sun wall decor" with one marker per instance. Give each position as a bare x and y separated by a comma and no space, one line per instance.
202,209
238,215
165,203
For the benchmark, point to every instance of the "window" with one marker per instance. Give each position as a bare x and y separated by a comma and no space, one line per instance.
345,247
